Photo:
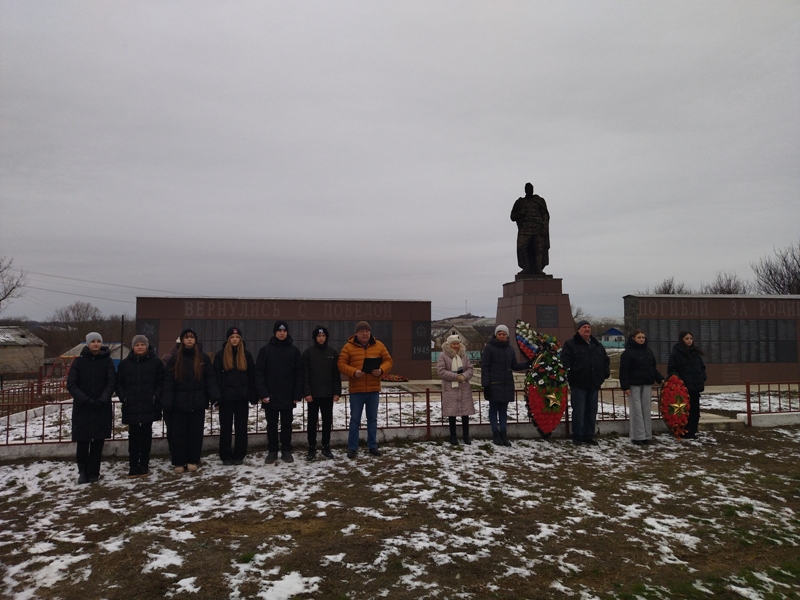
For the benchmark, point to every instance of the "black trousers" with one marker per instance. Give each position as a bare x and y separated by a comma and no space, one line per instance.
283,415
233,419
140,440
89,454
694,412
187,436
315,407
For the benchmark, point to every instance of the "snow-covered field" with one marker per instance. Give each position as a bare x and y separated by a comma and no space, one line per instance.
713,518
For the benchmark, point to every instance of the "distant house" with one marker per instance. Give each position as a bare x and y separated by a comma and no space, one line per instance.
20,350
473,340
118,351
613,338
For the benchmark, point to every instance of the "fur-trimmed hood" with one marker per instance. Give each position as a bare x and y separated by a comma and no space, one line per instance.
462,352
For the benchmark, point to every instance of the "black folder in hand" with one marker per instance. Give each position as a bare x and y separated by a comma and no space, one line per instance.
370,364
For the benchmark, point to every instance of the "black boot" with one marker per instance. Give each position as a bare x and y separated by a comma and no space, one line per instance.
82,476
326,452
312,453
453,435
465,429
504,438
496,439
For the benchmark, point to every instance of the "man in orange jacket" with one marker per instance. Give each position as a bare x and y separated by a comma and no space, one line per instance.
365,386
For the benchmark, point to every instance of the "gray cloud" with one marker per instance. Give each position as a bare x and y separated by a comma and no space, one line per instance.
375,149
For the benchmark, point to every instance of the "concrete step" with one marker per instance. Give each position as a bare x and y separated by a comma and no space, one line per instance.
712,422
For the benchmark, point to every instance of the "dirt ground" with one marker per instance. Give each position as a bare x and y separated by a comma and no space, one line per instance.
543,519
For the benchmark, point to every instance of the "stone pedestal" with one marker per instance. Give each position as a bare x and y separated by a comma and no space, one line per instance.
538,301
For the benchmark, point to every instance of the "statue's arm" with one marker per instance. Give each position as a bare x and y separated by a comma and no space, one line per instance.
516,211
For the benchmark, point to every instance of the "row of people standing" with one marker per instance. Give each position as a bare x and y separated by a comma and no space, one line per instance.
638,374
588,367
181,387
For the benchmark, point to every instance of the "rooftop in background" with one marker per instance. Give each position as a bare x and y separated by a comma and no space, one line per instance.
14,335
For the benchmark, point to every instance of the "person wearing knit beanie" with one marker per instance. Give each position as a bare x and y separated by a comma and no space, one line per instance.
139,384
588,366
364,360
498,360
231,331
279,385
90,382
322,387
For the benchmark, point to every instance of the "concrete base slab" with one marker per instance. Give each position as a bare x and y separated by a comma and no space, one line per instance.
771,419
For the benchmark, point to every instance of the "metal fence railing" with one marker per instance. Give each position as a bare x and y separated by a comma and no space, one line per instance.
771,397
35,414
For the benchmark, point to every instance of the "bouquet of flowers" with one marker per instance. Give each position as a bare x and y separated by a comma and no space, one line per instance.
546,379
675,405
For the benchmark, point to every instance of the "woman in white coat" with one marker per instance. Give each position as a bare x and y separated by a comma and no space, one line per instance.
455,371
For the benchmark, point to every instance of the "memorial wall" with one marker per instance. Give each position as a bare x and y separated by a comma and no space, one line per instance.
403,325
744,337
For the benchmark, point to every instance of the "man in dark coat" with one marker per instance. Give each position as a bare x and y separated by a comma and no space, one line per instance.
279,383
533,237
322,387
90,382
140,381
589,366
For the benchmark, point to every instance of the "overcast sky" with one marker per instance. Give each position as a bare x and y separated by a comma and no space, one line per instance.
375,149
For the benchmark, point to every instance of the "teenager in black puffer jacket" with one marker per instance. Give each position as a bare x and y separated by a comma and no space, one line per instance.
236,376
322,386
140,381
189,386
686,361
637,374
279,383
90,382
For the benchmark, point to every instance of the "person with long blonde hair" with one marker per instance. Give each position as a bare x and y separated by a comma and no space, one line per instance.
235,371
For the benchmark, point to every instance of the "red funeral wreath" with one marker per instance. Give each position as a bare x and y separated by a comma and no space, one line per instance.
546,379
675,405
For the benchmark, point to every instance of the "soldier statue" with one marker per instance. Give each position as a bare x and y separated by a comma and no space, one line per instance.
533,237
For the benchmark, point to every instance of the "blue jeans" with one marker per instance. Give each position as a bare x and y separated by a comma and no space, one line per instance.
584,413
498,416
358,401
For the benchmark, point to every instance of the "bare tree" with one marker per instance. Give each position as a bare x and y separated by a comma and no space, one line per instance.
670,286
726,283
12,285
779,274
76,320
578,314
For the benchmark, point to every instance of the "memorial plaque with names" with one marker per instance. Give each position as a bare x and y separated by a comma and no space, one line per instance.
547,316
